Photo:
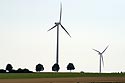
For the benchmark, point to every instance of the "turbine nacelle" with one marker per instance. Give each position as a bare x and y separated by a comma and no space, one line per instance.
100,53
57,23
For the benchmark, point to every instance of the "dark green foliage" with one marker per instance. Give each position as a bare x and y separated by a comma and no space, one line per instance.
39,67
20,71
70,66
9,67
2,71
55,67
25,70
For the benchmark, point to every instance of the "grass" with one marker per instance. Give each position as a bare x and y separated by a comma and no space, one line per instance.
57,75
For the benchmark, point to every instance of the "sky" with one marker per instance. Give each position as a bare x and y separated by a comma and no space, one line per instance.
25,42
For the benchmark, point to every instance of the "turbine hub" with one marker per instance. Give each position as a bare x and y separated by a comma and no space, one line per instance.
100,53
57,23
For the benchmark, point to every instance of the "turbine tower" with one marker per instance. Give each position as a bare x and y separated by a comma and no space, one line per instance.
101,58
57,24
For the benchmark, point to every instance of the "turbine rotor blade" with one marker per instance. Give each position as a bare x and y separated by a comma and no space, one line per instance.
102,60
65,30
96,50
52,27
105,49
60,12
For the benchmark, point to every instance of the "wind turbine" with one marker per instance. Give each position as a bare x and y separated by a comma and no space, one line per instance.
101,57
57,24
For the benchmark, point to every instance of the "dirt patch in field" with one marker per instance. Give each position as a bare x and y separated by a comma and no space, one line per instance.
67,80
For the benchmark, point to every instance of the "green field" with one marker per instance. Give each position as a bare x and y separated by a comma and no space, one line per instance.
57,75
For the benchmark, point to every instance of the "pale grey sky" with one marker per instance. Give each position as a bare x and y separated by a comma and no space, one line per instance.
25,42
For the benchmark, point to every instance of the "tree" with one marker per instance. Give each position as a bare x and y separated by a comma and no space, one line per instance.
70,67
39,67
55,67
9,67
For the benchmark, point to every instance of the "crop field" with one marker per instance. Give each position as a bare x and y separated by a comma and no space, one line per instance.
57,75
52,77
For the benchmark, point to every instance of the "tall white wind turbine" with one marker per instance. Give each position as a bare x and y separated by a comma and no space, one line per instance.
57,24
101,57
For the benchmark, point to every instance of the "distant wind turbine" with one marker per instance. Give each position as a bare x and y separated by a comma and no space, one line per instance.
57,26
101,57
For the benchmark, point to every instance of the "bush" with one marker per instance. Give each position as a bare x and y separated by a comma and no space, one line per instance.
20,71
2,71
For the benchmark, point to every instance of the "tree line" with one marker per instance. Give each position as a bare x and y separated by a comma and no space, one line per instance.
39,67
9,69
55,67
